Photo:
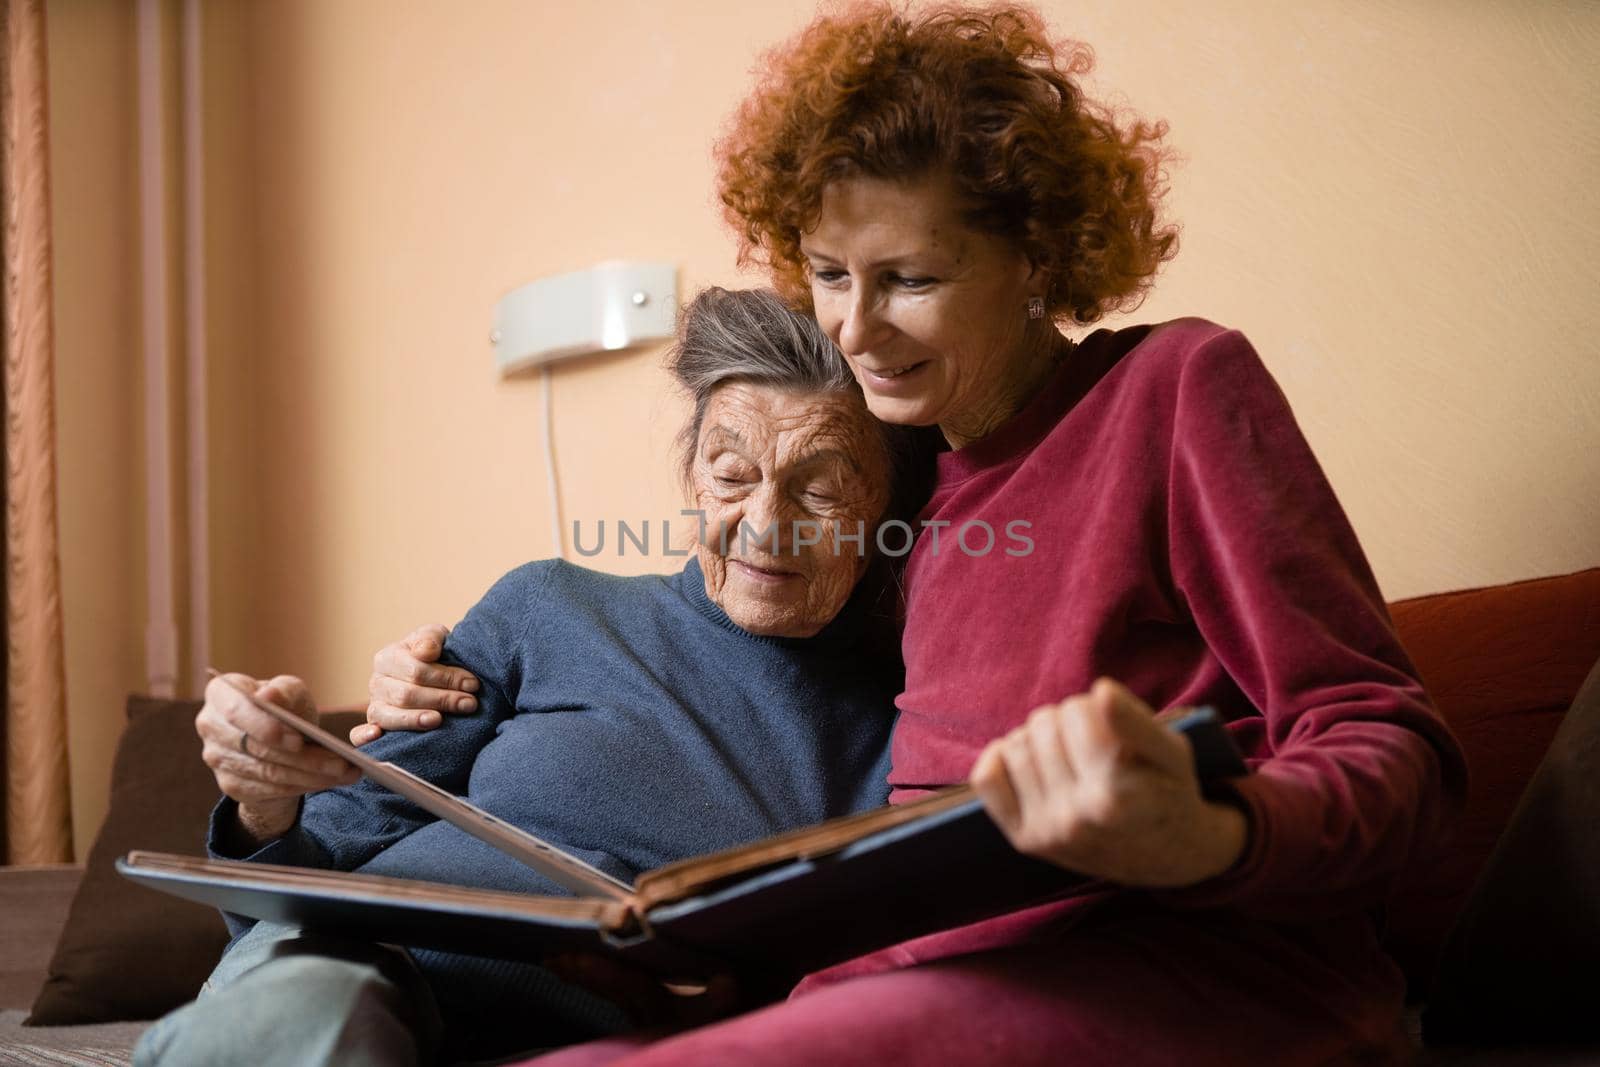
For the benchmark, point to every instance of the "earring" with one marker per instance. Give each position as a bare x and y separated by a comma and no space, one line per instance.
1035,307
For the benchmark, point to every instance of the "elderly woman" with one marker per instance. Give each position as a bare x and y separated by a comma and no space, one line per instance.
937,188
632,721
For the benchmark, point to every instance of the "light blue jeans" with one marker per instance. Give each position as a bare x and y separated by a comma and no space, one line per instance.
280,996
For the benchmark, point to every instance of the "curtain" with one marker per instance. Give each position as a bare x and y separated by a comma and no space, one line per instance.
37,824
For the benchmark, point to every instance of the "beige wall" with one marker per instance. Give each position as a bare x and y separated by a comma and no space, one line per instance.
94,217
1394,200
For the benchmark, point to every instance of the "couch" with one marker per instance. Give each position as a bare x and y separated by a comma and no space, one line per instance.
94,955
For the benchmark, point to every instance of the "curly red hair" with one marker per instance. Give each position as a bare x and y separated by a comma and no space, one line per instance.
982,94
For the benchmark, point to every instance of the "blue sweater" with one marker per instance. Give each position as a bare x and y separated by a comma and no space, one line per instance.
626,720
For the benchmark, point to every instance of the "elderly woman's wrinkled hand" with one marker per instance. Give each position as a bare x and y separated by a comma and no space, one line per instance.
408,688
260,763
1096,784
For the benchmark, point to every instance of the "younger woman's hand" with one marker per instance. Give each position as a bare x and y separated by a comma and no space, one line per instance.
409,689
1097,785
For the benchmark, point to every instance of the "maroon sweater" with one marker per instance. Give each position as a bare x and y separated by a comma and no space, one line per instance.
1185,542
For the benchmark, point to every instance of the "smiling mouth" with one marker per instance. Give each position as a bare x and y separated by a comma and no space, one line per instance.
763,574
891,373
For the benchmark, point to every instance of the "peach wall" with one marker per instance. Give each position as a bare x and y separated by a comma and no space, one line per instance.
1391,199
94,218
1394,200
406,173
233,366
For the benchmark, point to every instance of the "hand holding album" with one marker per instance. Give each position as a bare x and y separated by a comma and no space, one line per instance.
790,903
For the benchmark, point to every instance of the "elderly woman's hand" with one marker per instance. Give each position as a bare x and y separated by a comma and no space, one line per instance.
1096,784
263,765
408,688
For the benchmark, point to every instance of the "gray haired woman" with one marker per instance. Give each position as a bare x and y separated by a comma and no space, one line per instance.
632,721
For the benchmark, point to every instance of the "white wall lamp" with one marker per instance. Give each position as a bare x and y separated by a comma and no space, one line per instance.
609,307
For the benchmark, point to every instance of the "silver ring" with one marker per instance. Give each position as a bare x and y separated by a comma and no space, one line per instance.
244,742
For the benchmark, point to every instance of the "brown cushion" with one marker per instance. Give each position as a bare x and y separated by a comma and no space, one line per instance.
128,952
1521,959
1502,664
33,909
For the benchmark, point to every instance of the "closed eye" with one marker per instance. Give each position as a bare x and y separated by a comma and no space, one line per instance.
818,494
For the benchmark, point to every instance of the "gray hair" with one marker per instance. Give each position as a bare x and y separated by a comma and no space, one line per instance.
749,335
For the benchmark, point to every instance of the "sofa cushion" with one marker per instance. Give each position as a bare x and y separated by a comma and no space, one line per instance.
128,952
89,1045
1521,958
33,908
1502,664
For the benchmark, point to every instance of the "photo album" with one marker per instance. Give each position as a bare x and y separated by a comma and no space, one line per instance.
791,903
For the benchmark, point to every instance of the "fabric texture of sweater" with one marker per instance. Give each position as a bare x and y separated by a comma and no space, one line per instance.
1185,542
628,721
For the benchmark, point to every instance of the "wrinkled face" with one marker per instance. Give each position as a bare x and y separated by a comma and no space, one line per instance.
789,470
931,314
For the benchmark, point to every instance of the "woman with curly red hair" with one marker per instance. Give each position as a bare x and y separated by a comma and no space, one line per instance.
938,190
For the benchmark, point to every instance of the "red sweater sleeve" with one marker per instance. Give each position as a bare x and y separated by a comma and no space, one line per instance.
1359,769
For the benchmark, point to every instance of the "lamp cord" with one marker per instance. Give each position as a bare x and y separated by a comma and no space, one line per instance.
550,464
